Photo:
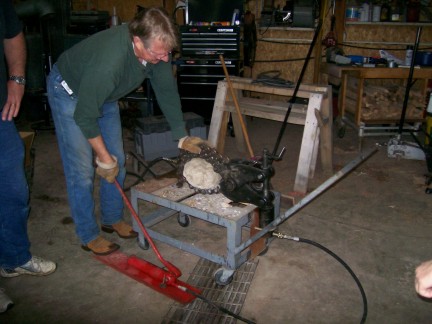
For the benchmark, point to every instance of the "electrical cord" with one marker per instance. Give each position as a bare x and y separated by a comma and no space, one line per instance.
175,11
345,265
302,240
285,60
222,309
272,78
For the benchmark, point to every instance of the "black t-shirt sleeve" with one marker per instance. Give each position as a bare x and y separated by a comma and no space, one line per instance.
13,25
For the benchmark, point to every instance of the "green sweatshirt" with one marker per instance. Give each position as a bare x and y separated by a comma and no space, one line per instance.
103,68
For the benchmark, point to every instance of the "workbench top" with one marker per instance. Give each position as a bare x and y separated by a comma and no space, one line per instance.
215,204
336,71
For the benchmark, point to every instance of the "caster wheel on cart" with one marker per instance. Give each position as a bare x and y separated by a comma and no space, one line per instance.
183,220
223,277
263,252
341,131
143,244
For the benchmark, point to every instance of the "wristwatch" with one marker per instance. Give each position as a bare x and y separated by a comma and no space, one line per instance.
18,79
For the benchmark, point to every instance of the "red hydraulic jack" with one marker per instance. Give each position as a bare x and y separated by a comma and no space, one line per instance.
162,280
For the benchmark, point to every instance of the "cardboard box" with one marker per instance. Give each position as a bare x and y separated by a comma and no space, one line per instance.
27,138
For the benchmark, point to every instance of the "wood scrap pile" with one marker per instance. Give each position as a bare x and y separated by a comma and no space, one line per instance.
386,102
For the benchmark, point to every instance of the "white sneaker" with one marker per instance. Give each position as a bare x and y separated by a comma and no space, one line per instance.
35,267
5,302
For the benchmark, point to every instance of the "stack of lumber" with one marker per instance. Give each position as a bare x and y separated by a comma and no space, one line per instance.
385,102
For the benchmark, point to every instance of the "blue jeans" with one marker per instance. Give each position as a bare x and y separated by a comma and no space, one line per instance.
14,199
78,161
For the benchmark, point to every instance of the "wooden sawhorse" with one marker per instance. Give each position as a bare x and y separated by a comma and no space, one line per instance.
316,117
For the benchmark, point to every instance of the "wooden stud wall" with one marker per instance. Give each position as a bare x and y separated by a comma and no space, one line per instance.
286,47
367,39
292,54
380,36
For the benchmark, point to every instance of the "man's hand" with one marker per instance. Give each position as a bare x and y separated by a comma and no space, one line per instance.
108,171
15,54
192,144
423,280
13,103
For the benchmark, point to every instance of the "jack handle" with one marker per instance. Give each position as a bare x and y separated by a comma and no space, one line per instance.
170,267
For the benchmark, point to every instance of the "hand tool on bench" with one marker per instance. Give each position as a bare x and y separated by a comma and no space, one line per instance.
162,280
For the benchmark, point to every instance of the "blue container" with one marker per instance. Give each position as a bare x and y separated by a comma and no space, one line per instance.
352,14
423,58
356,59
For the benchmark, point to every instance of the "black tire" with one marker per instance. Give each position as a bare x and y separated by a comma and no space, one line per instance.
183,220
341,131
143,245
218,277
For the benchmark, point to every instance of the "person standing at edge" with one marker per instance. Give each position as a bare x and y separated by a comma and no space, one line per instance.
15,256
423,279
83,89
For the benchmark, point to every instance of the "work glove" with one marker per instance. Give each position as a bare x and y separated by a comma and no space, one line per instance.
108,171
192,144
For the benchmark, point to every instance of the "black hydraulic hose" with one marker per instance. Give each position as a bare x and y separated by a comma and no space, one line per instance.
147,166
222,309
293,98
345,265
303,240
334,255
409,81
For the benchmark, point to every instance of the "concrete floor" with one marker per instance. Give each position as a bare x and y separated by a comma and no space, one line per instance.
377,219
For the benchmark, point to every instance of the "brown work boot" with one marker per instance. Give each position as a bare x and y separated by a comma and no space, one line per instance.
101,246
122,229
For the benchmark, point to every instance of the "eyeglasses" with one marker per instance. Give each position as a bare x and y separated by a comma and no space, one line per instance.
157,55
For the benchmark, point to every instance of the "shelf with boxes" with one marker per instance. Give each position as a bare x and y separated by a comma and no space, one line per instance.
392,35
367,94
394,11
361,22
374,110
389,24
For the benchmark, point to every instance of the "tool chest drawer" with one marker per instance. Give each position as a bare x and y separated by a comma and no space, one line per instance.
197,81
197,41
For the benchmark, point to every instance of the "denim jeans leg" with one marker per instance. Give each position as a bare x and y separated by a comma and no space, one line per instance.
14,199
77,157
111,202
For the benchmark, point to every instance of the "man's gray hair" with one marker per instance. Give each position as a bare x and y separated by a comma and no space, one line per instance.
154,23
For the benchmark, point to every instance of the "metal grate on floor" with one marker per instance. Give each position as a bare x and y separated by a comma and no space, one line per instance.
231,296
